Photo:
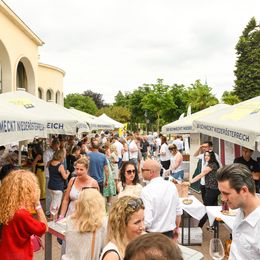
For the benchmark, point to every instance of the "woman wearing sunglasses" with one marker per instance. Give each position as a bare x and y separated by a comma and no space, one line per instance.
129,184
86,227
125,223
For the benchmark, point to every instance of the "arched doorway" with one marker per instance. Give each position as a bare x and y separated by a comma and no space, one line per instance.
25,76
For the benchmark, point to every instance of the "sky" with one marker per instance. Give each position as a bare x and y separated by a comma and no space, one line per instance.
118,45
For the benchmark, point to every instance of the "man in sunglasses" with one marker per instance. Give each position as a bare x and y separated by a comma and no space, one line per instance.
161,200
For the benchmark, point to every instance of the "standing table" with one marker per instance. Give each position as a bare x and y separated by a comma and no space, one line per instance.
196,210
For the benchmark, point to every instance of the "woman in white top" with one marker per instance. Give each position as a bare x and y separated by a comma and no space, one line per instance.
176,167
129,184
125,157
165,154
86,227
125,223
75,185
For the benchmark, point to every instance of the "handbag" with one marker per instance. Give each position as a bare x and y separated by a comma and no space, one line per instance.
36,243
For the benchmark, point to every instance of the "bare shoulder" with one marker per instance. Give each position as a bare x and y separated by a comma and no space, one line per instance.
111,255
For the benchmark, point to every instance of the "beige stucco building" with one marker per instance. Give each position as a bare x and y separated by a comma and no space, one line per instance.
19,60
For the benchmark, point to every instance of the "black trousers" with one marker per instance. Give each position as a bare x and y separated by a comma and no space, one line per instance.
203,192
101,186
211,199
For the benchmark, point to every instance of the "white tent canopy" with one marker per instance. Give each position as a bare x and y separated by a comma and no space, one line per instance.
184,125
111,121
56,118
16,126
239,124
93,121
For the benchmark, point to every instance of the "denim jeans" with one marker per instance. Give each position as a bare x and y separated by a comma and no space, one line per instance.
178,175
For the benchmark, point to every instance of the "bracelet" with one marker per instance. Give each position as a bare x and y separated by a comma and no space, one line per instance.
38,207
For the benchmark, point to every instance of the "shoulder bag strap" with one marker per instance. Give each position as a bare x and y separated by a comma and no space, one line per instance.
93,245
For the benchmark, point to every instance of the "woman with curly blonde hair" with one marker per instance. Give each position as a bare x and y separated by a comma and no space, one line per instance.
20,195
86,227
125,223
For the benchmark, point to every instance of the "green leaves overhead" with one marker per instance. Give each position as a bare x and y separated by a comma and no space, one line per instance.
200,96
247,83
80,102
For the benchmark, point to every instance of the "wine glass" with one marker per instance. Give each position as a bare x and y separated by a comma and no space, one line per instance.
216,249
54,211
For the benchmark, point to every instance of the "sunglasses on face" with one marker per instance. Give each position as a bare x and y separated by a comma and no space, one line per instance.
129,172
145,170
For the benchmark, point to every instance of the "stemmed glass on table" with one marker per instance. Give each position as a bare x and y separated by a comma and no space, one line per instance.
216,249
54,211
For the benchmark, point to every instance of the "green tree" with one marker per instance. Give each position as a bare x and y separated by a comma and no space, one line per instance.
122,100
247,72
97,98
136,107
80,102
200,96
159,100
180,96
118,113
230,98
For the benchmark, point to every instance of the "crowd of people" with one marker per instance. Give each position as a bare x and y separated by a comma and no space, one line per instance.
112,191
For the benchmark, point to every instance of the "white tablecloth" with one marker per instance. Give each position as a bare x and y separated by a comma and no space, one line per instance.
196,209
188,253
215,212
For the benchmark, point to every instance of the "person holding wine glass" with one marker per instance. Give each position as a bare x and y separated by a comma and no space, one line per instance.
237,188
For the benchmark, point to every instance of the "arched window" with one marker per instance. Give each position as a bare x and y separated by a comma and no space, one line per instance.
39,93
21,78
48,95
57,97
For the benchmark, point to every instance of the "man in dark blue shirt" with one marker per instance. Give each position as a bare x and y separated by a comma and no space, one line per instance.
98,165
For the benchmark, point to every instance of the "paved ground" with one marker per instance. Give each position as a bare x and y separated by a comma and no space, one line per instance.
204,248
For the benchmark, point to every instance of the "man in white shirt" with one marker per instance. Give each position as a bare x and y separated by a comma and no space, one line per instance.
179,143
237,188
162,206
132,149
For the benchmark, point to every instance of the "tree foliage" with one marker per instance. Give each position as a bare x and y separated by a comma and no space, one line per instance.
97,98
247,83
180,98
159,100
80,102
230,98
118,113
122,100
200,96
